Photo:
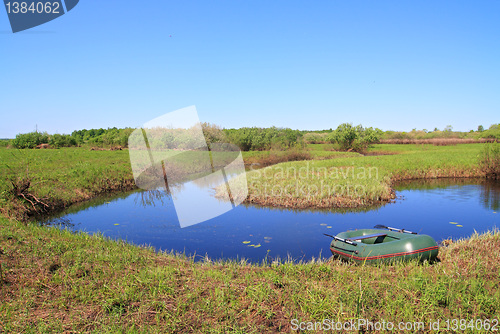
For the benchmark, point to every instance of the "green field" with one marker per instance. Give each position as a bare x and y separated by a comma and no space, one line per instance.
331,179
58,281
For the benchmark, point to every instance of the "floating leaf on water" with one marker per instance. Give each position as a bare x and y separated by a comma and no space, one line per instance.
116,224
107,202
246,242
267,241
251,235
453,223
267,238
257,246
460,226
328,227
322,224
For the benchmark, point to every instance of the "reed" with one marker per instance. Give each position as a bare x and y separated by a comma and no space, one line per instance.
438,141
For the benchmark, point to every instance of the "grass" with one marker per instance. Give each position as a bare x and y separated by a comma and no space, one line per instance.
60,177
56,281
357,180
314,178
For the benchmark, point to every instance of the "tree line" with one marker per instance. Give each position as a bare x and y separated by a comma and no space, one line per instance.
345,137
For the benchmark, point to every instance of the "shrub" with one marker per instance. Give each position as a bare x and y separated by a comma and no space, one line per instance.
58,140
315,138
490,160
213,133
354,138
30,140
258,139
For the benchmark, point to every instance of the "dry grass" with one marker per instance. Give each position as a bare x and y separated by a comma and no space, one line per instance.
275,157
438,141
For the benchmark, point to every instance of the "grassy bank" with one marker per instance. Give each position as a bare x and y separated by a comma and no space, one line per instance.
55,281
359,180
58,178
40,181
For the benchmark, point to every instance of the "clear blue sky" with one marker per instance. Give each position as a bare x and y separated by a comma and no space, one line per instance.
306,65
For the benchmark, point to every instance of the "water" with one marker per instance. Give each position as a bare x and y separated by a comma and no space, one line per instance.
254,233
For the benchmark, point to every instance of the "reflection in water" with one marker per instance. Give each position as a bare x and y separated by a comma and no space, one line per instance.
463,189
151,197
61,222
490,195
440,208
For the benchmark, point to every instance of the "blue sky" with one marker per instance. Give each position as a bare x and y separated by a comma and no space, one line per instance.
306,65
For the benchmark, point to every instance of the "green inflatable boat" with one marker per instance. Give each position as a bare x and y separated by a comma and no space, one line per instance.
388,245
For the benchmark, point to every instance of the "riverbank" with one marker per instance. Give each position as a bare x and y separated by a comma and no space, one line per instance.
58,281
38,182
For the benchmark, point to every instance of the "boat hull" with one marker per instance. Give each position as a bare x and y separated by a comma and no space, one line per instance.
389,247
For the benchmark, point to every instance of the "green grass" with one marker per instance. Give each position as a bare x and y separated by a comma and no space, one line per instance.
359,180
58,281
68,175
61,177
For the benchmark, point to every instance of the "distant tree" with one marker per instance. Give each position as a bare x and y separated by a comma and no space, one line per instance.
354,138
436,129
448,128
480,128
30,140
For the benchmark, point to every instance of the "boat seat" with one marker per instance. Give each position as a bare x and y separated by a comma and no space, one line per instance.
361,237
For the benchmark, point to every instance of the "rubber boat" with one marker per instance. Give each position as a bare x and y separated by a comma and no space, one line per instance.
387,245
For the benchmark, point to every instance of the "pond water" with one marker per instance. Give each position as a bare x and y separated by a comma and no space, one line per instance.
440,208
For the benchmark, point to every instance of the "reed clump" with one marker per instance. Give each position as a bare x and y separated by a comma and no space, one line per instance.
490,160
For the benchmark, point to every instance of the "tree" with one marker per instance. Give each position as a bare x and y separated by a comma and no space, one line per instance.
480,128
354,138
448,128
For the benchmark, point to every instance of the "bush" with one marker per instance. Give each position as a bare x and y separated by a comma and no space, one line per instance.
30,140
490,160
58,140
354,138
315,138
213,133
259,139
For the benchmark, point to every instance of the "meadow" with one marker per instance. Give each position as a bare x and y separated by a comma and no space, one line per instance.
36,182
54,280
